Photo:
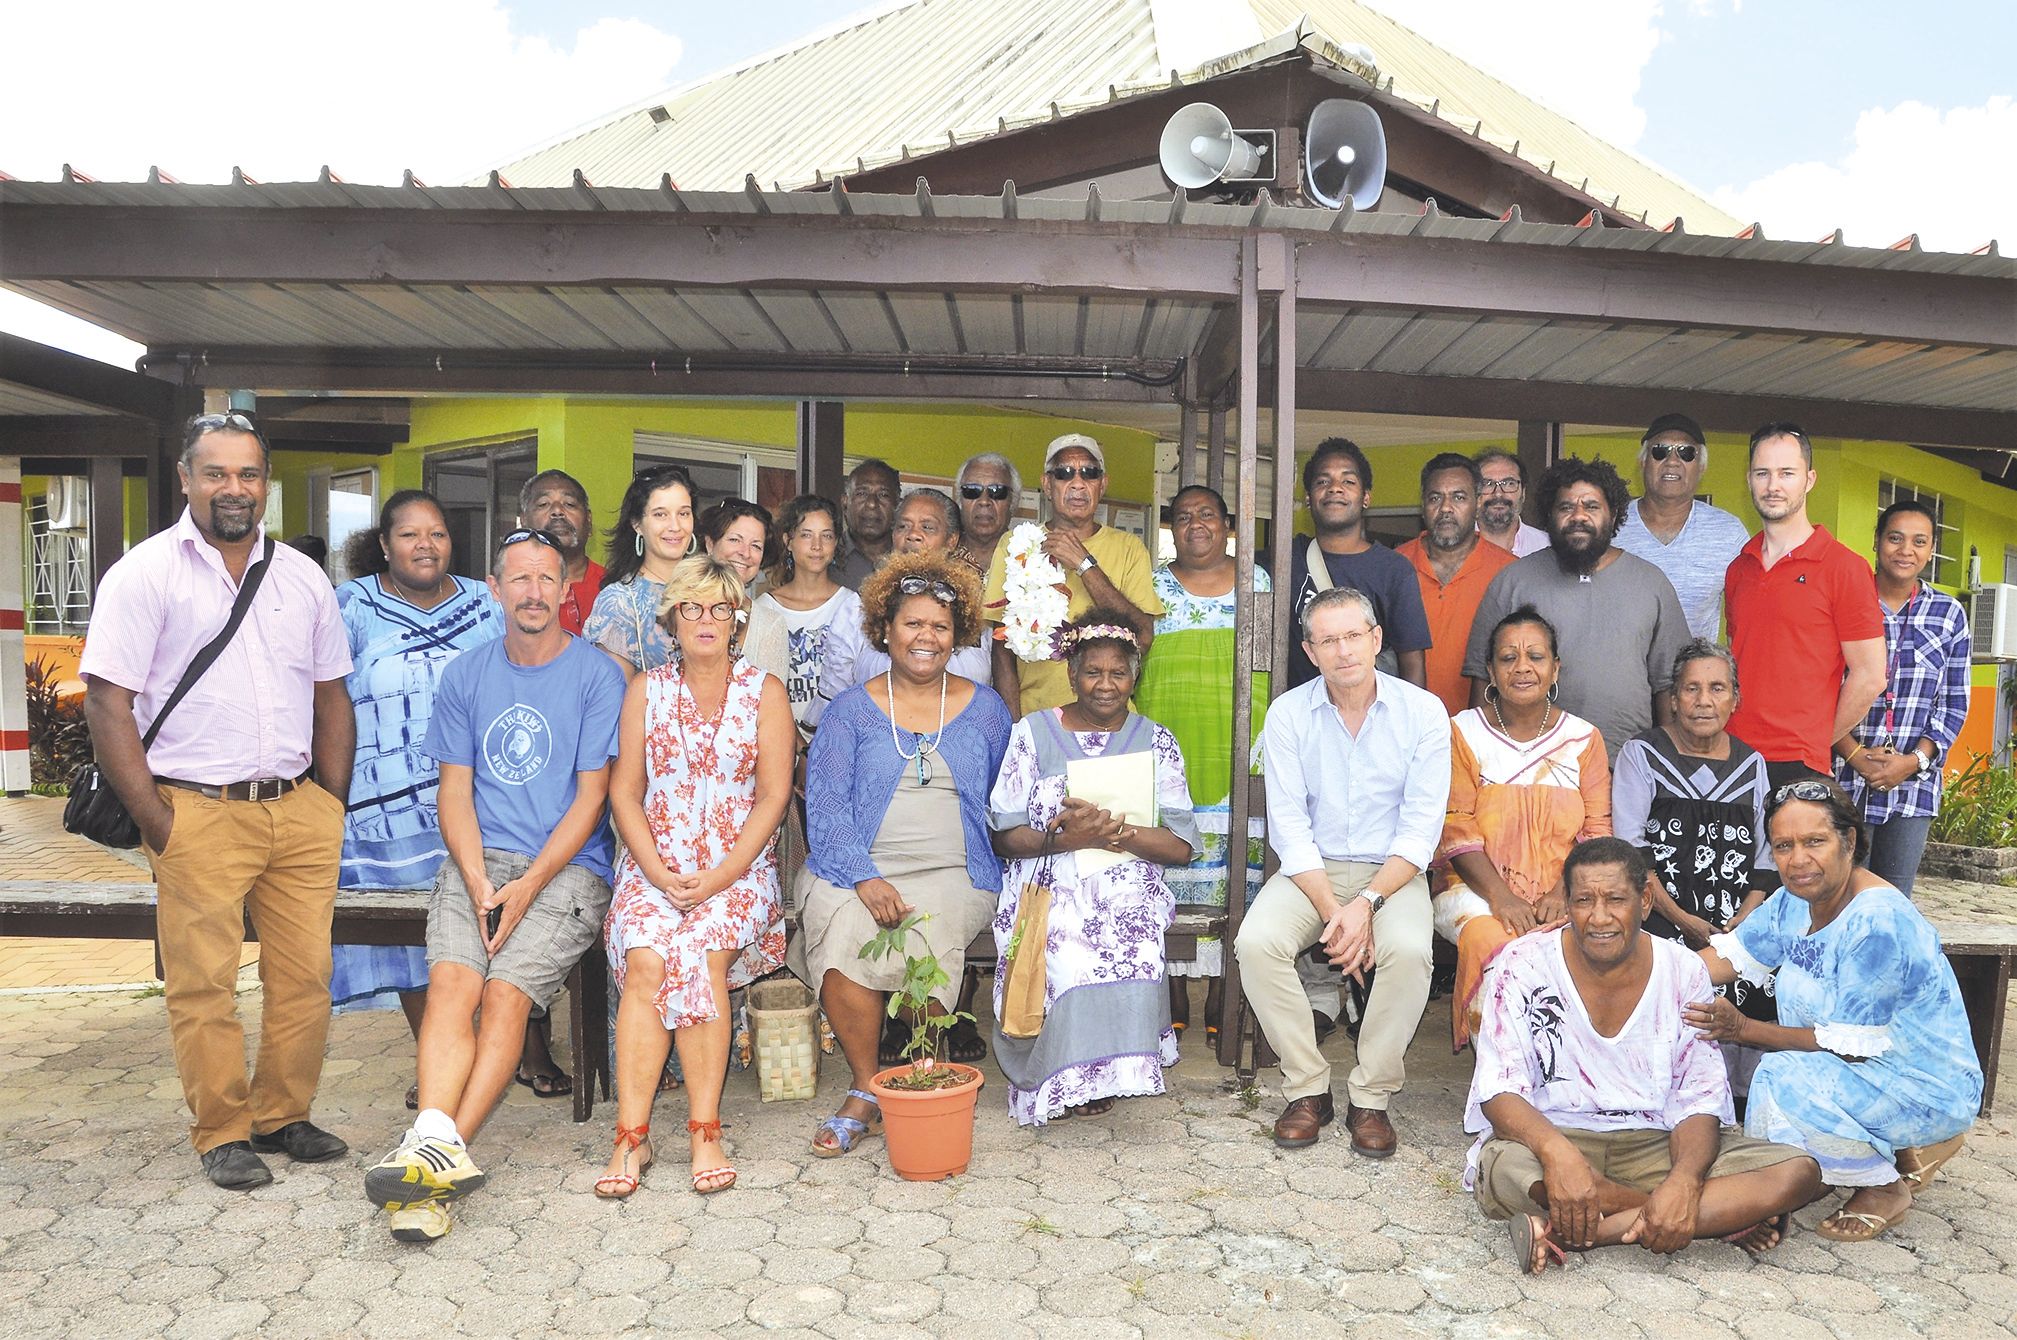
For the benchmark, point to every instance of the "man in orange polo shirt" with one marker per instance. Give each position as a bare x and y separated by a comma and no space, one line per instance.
1805,626
1453,566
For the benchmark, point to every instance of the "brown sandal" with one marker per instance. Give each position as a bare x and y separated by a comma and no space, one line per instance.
1918,1166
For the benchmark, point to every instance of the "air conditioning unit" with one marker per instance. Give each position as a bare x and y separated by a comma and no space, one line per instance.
1992,622
69,503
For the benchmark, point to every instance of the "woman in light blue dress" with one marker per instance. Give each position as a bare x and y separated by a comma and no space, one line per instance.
407,616
1871,1068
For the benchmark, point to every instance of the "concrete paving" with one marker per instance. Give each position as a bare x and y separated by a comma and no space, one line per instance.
1176,1216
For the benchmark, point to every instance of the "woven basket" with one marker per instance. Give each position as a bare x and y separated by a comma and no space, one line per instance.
785,1019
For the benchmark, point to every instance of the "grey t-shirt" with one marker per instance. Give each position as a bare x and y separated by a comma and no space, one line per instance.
1618,630
1695,562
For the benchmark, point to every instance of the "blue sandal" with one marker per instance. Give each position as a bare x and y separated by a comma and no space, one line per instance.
846,1131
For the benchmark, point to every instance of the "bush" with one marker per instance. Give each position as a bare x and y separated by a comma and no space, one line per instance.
59,742
1979,807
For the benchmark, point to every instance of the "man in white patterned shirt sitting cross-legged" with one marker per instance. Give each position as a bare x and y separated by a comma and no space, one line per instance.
1599,1116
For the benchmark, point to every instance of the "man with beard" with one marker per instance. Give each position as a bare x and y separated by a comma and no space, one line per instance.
524,728
1616,615
1503,489
554,501
1338,484
239,796
990,488
868,500
1689,540
1805,625
1453,566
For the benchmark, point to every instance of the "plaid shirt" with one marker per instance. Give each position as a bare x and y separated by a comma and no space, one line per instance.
1925,694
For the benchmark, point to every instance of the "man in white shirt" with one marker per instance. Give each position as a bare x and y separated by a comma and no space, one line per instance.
1502,493
1689,540
1358,777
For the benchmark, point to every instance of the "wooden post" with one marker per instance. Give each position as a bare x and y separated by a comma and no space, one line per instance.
821,443
1187,446
1246,650
1215,448
1540,446
108,515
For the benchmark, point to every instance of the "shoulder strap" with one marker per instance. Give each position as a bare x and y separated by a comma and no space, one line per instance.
1320,571
215,647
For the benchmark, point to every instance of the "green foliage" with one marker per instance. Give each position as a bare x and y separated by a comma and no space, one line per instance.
922,975
59,742
1979,807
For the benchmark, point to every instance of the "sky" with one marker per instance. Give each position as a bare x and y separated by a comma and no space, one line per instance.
1804,115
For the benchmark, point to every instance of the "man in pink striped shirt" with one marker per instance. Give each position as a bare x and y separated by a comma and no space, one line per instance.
239,800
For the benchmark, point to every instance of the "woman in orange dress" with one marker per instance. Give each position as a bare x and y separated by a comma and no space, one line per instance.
1528,781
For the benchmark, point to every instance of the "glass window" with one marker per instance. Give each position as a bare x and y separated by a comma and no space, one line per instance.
479,498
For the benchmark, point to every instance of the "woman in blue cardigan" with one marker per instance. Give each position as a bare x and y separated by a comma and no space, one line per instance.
898,767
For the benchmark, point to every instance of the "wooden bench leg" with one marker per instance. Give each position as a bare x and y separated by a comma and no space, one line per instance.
1985,990
588,1029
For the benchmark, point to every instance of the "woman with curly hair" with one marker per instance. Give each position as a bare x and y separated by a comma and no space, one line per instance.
1105,1029
899,765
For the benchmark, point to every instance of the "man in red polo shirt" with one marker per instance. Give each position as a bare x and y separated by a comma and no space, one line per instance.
1805,626
1454,564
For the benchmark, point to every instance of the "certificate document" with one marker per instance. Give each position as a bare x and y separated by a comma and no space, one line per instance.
1124,785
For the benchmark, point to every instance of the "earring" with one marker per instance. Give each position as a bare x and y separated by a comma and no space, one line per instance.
1491,692
640,544
1554,692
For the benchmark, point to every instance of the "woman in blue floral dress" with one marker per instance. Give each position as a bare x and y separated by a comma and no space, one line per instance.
1105,1032
1871,1067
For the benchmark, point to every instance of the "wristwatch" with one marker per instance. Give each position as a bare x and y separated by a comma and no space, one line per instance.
1925,761
1378,900
1087,564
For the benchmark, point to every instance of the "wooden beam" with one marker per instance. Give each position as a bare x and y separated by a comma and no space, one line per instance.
74,377
75,436
1246,638
822,444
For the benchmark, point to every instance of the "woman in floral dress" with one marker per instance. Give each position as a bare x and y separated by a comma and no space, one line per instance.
1106,1026
701,780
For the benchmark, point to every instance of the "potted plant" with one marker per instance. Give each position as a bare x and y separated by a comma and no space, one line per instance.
927,1102
1975,835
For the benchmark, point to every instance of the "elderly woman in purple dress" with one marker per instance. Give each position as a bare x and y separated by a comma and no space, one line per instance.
1105,1029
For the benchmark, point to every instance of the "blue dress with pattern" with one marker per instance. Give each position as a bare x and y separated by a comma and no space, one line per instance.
1899,1070
392,833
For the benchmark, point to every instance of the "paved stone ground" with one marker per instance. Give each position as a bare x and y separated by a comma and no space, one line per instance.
1176,1216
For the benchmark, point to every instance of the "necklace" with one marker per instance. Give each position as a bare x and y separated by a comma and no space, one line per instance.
924,746
1547,714
407,596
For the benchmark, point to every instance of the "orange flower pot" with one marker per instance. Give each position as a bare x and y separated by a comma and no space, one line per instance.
929,1132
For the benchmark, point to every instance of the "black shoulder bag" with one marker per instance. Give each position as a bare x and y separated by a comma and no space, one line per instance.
95,810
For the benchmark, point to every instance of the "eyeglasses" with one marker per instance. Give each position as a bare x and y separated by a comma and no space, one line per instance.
1510,484
1687,451
1349,641
932,586
1064,472
1805,790
522,535
994,491
692,610
215,423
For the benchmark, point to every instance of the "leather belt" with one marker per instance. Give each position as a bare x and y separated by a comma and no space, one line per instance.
259,788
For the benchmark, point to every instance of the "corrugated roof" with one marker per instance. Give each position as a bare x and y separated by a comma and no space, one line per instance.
914,78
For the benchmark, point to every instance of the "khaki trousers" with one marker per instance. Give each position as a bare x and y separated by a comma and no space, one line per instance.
1280,925
278,860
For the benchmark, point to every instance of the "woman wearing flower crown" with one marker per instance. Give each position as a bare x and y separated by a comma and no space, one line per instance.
1104,1031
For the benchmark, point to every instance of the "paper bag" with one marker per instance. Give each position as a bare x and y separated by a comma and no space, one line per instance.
1024,981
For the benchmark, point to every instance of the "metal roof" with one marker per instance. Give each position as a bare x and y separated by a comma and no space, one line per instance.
918,77
650,275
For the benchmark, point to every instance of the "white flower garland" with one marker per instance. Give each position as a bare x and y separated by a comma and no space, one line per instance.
1036,600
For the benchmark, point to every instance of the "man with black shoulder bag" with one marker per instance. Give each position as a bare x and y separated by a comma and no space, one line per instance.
229,652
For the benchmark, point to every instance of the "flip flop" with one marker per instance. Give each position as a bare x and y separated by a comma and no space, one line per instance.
547,1086
964,1043
1918,1166
847,1132
1526,1230
1856,1226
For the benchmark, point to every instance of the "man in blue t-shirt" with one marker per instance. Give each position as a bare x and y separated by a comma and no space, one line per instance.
1337,485
524,729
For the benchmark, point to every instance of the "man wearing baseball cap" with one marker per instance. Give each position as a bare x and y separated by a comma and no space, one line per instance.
1689,540
1102,566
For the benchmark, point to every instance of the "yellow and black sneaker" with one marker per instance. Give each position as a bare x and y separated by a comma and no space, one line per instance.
420,1223
424,1168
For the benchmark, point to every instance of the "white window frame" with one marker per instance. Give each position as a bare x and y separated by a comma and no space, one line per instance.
1946,569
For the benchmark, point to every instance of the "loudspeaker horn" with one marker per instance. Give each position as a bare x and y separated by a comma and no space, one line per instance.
1200,148
1344,154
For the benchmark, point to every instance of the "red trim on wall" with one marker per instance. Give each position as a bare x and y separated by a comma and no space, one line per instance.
12,621
13,739
10,493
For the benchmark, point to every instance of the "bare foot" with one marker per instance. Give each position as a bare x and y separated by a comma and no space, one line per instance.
1761,1238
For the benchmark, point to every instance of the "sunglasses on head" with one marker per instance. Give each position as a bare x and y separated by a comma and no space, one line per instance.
994,491
1687,451
1805,790
521,535
932,586
1064,472
216,423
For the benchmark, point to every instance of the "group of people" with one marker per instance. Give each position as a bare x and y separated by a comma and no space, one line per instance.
736,715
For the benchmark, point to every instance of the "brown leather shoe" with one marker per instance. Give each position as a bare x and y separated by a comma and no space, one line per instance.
1302,1119
1372,1133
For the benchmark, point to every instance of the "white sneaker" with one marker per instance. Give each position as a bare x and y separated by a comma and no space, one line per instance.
423,1222
421,1169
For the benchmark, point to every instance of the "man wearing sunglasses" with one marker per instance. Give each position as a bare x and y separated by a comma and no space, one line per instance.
524,729
1102,566
239,796
1690,540
989,490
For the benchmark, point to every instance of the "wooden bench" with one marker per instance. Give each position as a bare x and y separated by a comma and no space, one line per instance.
1180,941
55,909
1981,955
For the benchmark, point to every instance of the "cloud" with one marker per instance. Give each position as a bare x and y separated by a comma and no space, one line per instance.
1583,58
445,87
1912,168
